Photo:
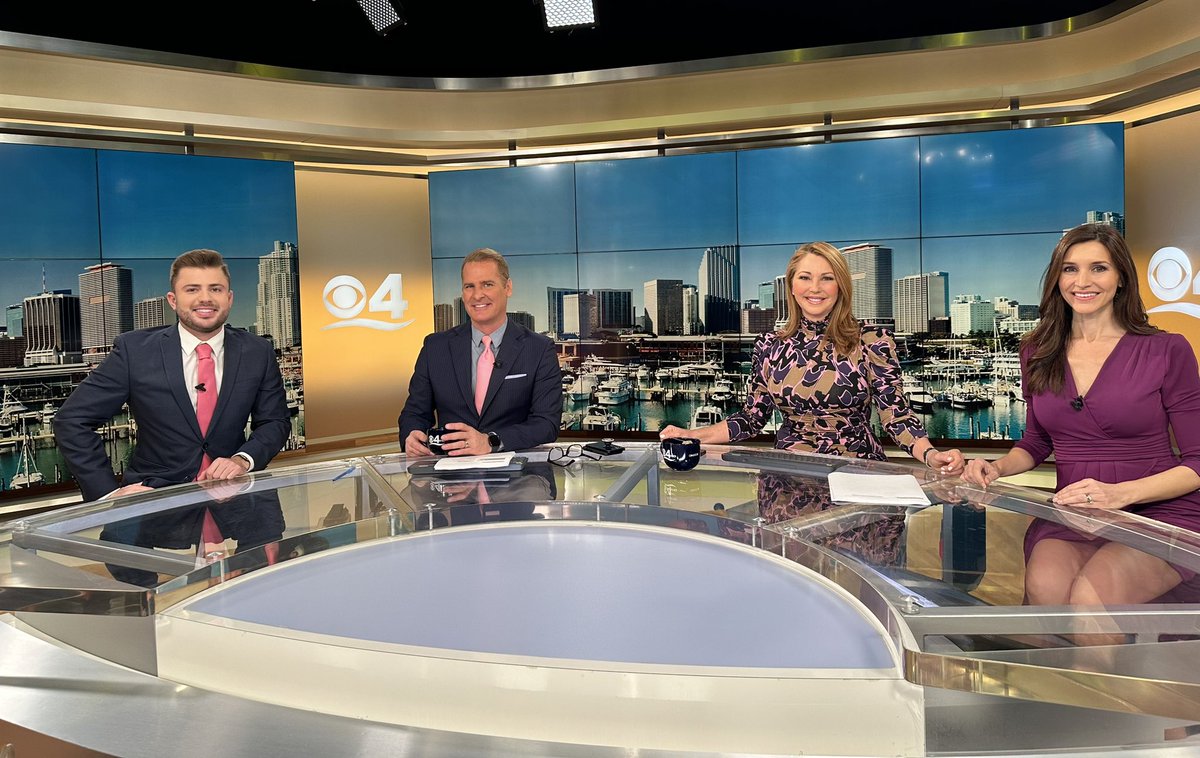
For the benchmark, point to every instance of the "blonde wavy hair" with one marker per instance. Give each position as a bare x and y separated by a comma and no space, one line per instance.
843,329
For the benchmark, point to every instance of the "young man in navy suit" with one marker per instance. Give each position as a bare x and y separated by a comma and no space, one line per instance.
492,382
155,372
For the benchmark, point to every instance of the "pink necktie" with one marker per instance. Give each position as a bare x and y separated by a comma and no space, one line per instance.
483,373
206,392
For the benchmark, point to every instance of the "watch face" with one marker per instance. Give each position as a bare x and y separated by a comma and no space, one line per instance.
494,440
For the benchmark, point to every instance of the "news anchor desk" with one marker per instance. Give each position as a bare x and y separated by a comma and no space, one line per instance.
599,608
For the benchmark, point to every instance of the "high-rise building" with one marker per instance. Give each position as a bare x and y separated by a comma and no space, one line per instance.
524,318
14,318
579,314
664,305
12,352
757,320
766,295
278,311
52,330
554,307
443,317
460,310
614,309
781,298
151,312
720,289
919,298
1111,218
691,309
105,308
871,276
971,313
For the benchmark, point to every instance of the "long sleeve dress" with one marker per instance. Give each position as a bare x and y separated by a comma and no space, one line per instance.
1148,388
826,401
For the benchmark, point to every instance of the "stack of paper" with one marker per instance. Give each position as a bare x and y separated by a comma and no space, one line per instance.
467,462
876,489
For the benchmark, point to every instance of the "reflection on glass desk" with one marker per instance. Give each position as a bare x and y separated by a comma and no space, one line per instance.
590,606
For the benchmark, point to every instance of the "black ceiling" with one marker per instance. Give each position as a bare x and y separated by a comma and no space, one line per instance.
506,38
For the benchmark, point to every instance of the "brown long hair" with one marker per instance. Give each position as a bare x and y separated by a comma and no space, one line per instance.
1048,341
843,329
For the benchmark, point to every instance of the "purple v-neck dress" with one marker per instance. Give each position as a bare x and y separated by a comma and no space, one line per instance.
1148,384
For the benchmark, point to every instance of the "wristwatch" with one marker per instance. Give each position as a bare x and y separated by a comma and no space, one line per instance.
494,442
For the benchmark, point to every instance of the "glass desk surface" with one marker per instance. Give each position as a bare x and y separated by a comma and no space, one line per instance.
943,582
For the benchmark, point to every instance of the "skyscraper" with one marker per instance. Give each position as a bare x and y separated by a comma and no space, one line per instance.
1111,218
554,307
871,275
971,313
614,309
781,298
14,318
52,329
524,318
278,311
443,317
579,314
664,305
919,298
105,308
153,311
720,289
766,295
691,309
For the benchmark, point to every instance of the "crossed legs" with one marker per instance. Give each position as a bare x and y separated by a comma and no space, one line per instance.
1097,574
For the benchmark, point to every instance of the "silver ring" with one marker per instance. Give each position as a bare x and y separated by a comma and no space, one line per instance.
1088,496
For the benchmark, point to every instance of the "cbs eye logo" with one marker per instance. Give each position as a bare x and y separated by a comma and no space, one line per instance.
345,298
1170,278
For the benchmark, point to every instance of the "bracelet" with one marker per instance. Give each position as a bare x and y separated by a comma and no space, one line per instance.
925,458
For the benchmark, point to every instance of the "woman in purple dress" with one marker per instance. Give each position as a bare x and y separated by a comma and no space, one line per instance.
1104,391
823,372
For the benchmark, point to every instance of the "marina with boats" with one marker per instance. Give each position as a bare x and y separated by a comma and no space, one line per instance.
971,396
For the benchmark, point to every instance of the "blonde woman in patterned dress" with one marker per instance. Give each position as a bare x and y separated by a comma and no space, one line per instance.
824,372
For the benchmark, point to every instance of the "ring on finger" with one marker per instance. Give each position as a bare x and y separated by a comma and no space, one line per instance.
1088,497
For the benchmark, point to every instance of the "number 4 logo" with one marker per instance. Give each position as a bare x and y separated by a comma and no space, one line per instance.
345,297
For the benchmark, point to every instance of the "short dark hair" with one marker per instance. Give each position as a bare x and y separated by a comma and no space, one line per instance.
483,255
202,258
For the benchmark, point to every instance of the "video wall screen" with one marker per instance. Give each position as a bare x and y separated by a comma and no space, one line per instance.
654,275
87,238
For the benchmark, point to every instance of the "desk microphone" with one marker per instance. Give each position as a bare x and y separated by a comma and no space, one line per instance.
1077,403
200,388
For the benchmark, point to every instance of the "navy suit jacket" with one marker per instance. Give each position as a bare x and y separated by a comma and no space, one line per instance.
145,370
524,398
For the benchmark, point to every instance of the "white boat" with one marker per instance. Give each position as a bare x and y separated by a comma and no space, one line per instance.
600,419
722,391
27,474
580,389
919,399
614,391
10,411
968,401
706,415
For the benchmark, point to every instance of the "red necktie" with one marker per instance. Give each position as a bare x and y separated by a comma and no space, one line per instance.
206,392
483,373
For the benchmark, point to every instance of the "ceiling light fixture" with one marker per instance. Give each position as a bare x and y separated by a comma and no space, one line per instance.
569,14
385,16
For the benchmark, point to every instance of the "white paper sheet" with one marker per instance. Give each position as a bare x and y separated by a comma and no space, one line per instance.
460,463
876,489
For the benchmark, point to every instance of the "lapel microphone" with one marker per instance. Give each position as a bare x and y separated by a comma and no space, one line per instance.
1077,403
200,388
